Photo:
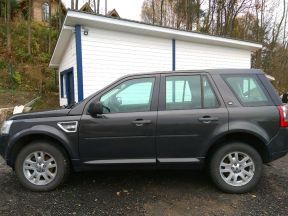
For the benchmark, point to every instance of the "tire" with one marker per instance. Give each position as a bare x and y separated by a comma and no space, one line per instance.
41,166
224,176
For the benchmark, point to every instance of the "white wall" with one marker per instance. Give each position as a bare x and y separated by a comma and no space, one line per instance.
68,61
108,55
201,56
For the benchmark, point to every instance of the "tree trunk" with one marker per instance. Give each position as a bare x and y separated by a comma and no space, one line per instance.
285,25
98,6
8,26
105,7
1,8
198,10
72,4
5,11
153,11
60,15
49,34
76,5
29,26
94,5
161,13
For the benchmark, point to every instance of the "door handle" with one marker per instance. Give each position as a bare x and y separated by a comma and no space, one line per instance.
208,119
141,122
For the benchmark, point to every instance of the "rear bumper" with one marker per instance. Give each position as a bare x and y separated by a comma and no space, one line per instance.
278,147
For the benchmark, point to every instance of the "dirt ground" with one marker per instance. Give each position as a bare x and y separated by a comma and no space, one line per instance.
156,193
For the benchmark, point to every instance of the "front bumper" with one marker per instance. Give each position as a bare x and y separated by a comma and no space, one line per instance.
3,145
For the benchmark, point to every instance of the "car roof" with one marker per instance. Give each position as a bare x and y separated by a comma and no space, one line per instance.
209,71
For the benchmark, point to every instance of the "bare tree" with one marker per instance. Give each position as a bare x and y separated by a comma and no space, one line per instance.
50,24
161,13
8,24
277,28
94,5
29,26
59,14
76,5
98,6
153,13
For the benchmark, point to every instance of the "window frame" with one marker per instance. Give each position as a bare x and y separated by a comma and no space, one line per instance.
256,79
63,82
150,96
213,90
162,93
154,98
62,75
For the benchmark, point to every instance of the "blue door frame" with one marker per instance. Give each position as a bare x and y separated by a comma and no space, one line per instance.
67,76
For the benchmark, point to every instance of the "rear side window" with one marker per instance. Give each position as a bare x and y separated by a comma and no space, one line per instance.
189,92
247,89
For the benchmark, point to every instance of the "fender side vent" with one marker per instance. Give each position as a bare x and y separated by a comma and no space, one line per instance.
68,127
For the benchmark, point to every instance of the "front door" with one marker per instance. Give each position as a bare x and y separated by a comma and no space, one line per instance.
190,114
125,133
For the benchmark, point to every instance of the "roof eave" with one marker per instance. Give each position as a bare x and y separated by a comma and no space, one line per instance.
62,42
93,20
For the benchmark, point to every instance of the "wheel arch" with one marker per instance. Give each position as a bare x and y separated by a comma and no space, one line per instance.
24,140
253,140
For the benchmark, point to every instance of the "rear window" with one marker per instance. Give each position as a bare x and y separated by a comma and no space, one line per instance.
247,89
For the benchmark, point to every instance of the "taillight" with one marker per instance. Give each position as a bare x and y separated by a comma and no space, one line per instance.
283,111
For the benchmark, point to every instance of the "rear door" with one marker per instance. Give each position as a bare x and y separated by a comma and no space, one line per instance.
190,114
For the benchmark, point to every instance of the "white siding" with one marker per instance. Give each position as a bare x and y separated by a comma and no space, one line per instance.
108,55
201,56
69,61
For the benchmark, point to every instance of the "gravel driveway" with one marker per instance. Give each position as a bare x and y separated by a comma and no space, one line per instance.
146,193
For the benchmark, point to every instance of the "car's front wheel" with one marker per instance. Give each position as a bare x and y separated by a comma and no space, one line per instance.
236,167
41,166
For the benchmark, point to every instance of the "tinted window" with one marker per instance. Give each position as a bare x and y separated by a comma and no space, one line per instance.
183,92
247,90
130,96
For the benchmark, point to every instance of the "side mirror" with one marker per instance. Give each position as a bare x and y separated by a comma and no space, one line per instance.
95,108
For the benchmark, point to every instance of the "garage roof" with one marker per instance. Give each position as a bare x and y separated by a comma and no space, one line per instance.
88,20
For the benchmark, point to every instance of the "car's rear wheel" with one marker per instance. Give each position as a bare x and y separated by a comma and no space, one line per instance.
236,167
41,166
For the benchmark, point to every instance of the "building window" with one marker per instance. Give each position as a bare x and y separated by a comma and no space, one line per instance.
45,12
63,85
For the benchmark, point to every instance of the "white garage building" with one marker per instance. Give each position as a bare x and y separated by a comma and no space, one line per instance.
93,51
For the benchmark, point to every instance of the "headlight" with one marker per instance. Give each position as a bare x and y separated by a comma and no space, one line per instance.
6,127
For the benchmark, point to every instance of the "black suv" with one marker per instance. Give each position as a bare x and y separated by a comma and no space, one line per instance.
229,120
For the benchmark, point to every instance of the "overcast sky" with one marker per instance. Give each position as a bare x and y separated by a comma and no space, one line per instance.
129,9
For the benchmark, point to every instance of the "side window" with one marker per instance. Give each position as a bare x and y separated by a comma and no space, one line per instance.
247,90
209,97
183,92
130,96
